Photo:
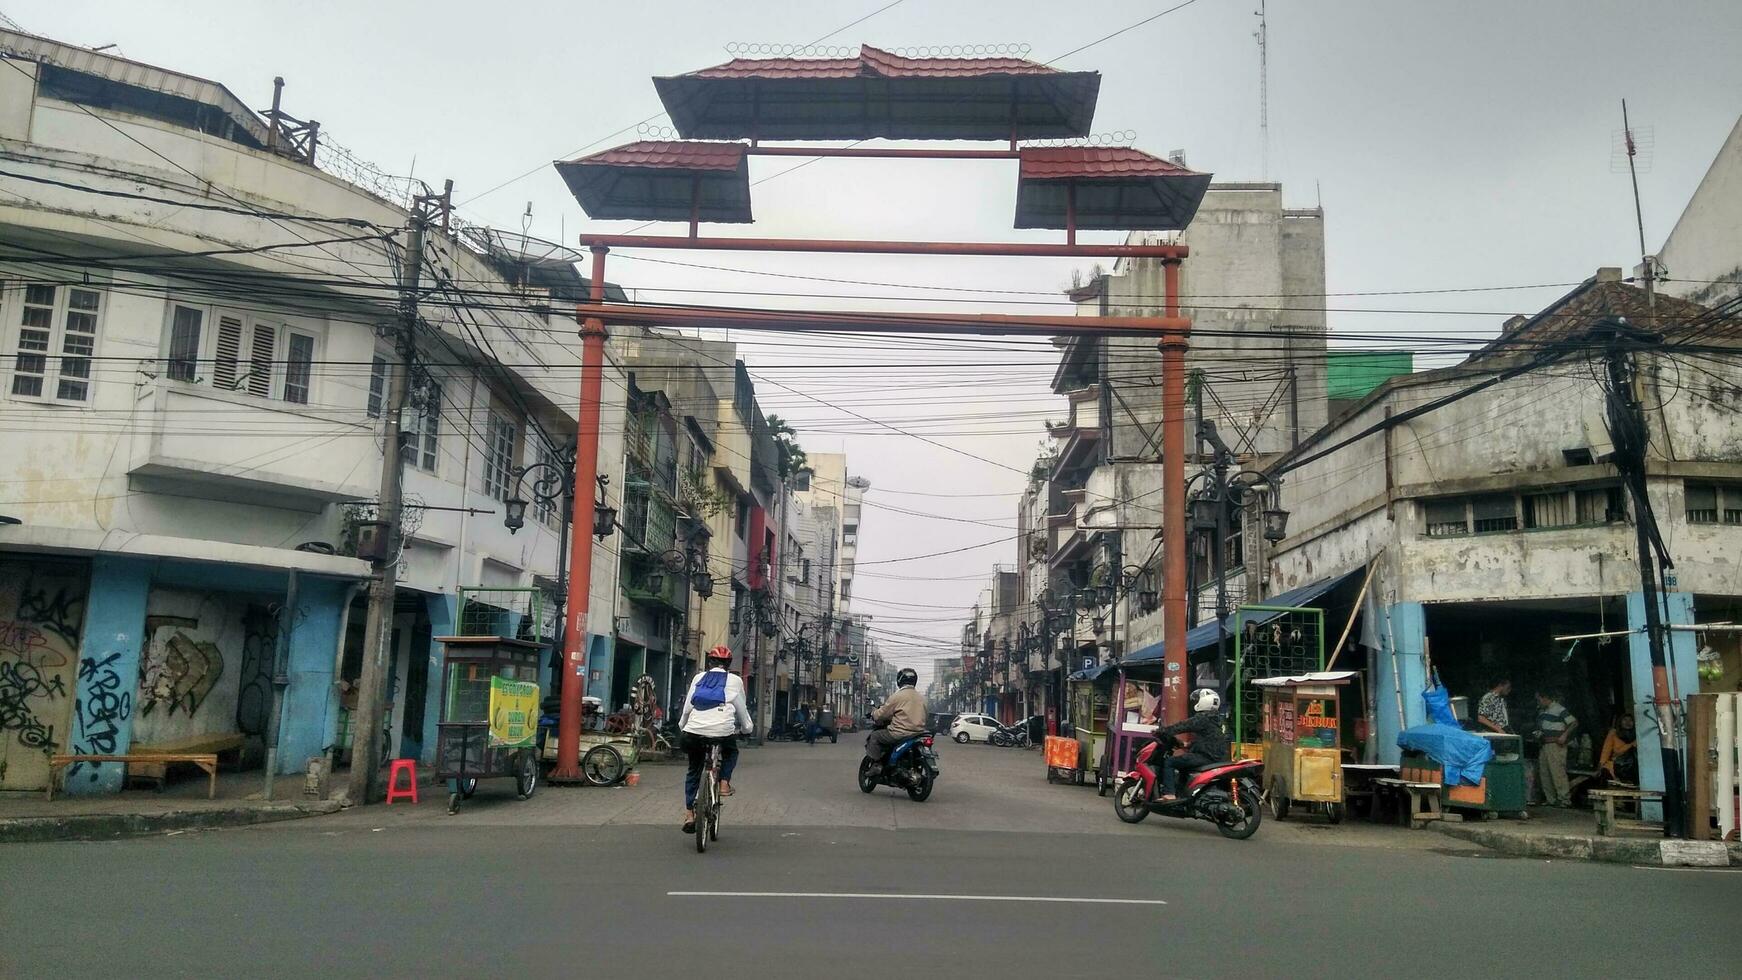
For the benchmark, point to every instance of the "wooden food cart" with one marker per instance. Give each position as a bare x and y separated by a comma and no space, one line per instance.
489,720
1303,742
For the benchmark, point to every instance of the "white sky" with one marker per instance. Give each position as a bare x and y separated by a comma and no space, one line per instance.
1453,145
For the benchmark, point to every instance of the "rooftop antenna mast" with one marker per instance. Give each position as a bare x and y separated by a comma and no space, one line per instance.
1263,36
1646,261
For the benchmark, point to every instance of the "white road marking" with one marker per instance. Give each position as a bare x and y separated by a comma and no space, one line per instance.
941,898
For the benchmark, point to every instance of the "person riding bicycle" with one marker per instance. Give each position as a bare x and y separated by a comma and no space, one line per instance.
1209,742
714,713
900,718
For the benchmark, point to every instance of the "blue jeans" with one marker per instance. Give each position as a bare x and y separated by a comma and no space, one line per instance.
696,746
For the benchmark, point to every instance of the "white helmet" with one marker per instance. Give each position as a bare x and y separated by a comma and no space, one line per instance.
1204,699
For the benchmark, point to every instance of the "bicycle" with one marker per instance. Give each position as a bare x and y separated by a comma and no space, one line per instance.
708,801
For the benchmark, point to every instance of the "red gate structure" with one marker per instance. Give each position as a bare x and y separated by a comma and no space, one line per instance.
880,95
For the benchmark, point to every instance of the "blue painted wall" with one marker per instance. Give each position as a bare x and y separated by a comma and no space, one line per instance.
1408,629
442,611
309,721
1684,680
108,677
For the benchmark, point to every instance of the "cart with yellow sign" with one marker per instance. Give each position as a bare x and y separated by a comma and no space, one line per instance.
489,719
1303,742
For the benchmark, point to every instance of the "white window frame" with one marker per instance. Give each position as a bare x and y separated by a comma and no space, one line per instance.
420,426
380,373
55,356
277,371
500,430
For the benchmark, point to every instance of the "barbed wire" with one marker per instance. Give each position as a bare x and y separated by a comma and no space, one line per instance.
1117,137
334,158
646,131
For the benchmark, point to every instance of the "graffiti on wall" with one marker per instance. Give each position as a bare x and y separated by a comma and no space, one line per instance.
259,642
21,683
42,605
100,709
179,672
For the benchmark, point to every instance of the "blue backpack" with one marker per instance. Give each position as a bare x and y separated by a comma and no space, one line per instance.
710,692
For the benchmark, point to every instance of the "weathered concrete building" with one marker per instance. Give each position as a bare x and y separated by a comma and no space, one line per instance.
1254,288
194,326
1701,260
1496,522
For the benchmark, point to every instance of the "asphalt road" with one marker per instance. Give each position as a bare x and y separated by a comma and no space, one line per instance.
579,881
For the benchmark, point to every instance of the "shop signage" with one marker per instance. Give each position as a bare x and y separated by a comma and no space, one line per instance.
513,713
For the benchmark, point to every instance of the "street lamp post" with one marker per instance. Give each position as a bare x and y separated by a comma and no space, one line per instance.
555,486
1223,492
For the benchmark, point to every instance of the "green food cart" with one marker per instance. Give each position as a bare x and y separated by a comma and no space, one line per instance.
489,720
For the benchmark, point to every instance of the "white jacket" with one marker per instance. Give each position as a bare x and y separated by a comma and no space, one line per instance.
730,718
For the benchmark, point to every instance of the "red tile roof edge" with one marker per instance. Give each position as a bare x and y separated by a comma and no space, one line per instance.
872,62
669,154
1063,162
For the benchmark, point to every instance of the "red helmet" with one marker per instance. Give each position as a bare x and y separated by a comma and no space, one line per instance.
721,652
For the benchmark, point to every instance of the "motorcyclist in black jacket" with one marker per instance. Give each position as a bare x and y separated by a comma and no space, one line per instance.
1209,742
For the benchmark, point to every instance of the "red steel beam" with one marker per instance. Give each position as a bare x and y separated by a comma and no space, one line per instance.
1039,249
580,584
838,321
1173,510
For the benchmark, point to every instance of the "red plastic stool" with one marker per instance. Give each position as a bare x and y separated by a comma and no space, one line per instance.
409,767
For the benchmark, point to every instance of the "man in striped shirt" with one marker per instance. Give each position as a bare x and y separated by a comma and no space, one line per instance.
1556,724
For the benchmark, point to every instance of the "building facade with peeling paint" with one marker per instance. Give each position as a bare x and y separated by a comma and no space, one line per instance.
195,323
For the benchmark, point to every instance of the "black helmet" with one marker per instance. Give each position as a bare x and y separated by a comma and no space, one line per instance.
907,677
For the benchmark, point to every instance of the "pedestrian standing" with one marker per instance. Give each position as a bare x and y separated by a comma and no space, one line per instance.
810,725
1556,724
1491,711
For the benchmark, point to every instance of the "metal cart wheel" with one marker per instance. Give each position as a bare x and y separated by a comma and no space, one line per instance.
1278,803
468,786
603,765
526,774
1102,784
1334,812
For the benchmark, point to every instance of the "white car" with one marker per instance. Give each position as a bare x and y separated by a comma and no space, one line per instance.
972,728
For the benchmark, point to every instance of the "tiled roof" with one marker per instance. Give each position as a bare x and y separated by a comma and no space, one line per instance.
670,155
1087,162
1596,300
873,62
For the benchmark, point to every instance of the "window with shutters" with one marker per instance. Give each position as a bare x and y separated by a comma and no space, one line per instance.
55,342
299,357
184,344
227,353
421,426
378,373
498,456
1713,503
261,350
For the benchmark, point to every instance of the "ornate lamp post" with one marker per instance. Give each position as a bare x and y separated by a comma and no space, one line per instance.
554,486
1223,491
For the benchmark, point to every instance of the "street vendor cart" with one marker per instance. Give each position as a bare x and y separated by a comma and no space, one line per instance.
489,718
1115,717
1303,742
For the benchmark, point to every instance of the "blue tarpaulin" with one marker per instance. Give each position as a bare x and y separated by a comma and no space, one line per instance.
1462,755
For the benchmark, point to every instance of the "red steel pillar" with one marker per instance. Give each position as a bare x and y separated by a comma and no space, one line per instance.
580,586
1173,507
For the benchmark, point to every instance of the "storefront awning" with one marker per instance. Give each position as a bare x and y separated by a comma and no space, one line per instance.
1203,637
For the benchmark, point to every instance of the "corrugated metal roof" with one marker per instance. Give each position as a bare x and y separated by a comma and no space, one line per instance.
661,180
1106,188
880,95
123,71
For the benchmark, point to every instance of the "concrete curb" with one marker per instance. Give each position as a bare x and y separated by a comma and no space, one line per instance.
1651,851
107,826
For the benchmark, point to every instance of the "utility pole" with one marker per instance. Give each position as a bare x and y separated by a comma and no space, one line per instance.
378,629
1630,435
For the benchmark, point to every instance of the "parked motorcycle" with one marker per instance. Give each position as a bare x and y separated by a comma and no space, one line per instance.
912,765
1225,794
1008,736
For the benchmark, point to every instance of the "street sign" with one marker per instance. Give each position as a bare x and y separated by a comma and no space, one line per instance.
1089,661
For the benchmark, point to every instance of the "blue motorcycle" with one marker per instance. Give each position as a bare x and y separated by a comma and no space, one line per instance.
912,765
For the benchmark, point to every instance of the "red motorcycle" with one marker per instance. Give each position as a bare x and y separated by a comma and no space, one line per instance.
1225,794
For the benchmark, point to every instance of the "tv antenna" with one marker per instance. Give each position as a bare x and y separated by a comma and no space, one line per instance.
1631,144
1263,36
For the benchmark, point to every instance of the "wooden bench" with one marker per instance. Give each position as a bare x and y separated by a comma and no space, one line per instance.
205,760
211,743
1421,800
1603,805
